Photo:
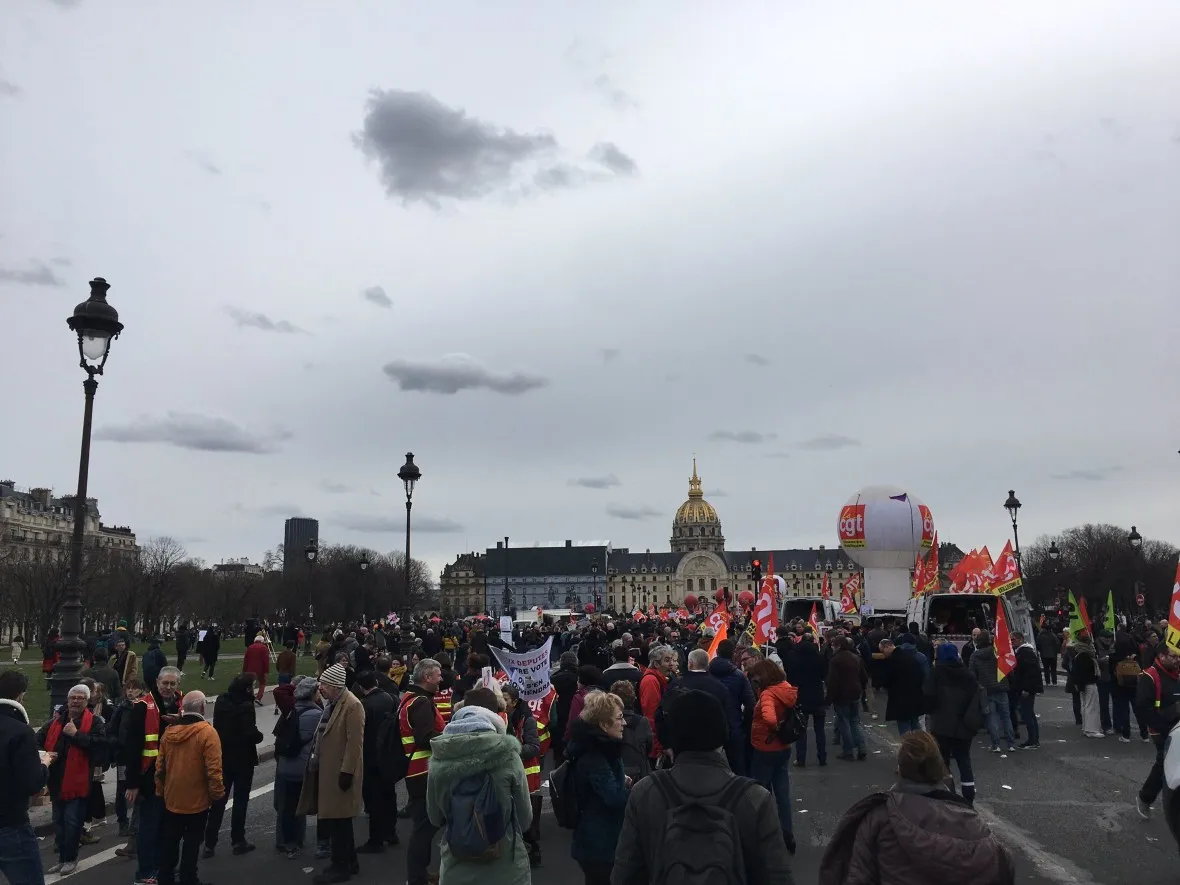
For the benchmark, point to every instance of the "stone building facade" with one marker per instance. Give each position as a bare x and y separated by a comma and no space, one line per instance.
36,523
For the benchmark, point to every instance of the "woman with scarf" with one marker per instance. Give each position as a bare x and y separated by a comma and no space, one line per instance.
76,737
523,725
1083,682
476,742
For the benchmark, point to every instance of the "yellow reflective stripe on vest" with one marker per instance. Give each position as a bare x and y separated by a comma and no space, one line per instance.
151,737
420,754
151,752
534,769
408,740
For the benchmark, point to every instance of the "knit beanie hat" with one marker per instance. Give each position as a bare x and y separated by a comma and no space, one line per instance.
696,721
305,687
947,653
335,676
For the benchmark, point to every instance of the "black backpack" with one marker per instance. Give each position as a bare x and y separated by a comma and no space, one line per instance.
701,843
792,726
476,822
563,796
392,761
286,732
672,691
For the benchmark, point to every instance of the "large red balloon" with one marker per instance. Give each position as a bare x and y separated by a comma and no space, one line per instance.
746,598
690,601
720,595
589,608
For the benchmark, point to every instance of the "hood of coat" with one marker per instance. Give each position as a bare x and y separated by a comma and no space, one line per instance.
13,710
456,756
721,667
951,671
189,726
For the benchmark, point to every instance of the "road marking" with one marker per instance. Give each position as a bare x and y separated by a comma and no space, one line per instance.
104,856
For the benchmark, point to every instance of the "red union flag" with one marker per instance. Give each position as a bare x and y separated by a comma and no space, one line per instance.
765,614
927,526
717,620
1172,637
1005,574
852,525
826,587
848,595
918,584
1005,653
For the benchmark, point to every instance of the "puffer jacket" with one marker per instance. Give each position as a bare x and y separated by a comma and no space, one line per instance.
772,704
985,669
740,708
807,670
953,701
928,836
292,768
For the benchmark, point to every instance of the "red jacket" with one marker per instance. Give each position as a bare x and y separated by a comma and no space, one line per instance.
651,693
256,660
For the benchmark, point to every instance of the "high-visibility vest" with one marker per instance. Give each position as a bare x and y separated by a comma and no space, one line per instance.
442,703
1154,675
151,732
542,710
532,767
419,756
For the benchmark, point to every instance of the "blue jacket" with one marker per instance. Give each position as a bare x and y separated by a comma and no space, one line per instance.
291,768
740,708
602,793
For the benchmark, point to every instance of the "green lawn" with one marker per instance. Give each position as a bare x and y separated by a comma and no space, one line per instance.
37,698
233,646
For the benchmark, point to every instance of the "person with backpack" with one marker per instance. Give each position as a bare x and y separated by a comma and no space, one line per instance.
478,795
600,785
698,822
379,796
778,721
293,738
1157,699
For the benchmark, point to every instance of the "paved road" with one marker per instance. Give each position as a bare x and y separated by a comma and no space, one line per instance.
1066,811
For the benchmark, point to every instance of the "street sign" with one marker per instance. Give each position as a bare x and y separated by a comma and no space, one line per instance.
1139,600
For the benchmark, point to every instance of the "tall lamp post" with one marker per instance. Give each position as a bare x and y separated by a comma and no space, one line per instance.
1054,557
96,324
507,598
1136,541
1012,505
409,475
594,583
311,552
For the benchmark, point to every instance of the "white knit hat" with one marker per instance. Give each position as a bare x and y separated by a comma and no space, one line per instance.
334,675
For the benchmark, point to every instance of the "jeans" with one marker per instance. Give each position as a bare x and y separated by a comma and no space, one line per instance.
821,742
20,856
959,749
176,829
1050,665
1122,704
848,725
1028,712
68,817
290,828
773,771
905,726
150,808
1151,788
237,782
999,718
421,840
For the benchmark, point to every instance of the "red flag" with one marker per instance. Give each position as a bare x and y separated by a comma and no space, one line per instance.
1172,638
717,620
717,640
918,585
1005,653
766,613
826,586
848,595
1084,614
1005,575
813,621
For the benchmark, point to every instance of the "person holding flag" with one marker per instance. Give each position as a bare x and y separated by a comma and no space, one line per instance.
1024,683
1157,699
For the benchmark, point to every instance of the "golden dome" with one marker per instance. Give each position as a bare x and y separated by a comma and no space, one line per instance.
696,510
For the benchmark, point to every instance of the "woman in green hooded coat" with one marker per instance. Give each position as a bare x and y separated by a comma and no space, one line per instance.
474,742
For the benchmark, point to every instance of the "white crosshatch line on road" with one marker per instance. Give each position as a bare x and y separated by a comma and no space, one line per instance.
104,856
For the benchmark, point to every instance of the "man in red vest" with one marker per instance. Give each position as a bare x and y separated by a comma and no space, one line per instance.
419,722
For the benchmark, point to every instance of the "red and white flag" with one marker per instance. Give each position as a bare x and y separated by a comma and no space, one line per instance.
766,614
813,621
826,586
848,595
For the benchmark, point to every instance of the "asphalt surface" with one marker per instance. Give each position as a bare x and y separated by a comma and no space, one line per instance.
1066,812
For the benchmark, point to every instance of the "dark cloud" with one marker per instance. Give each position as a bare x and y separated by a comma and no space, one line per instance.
335,488
38,274
716,493
608,154
560,177
428,151
376,294
202,433
829,442
455,372
596,482
614,96
10,89
248,319
609,354
203,162
749,437
1092,474
384,524
756,359
622,511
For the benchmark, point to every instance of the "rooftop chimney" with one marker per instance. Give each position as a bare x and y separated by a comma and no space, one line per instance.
569,543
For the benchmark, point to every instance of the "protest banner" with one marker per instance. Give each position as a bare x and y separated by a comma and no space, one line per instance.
528,671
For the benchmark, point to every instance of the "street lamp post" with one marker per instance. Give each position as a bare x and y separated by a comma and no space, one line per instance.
1054,557
507,595
409,475
311,552
1012,505
594,583
96,324
1136,541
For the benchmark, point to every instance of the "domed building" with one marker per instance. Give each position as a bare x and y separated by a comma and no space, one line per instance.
696,525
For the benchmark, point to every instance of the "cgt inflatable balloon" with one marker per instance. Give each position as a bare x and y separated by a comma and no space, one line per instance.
882,529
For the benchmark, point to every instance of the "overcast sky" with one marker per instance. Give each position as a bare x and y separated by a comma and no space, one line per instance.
555,249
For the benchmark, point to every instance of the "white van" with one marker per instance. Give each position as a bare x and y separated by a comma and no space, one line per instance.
800,607
953,615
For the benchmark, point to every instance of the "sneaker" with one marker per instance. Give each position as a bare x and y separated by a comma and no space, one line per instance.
823,762
861,757
1143,808
68,867
243,848
208,851
1123,740
88,839
1011,749
1097,735
1028,745
127,850
994,749
1147,739
54,870
146,880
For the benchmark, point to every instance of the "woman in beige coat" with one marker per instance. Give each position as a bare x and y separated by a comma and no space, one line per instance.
335,774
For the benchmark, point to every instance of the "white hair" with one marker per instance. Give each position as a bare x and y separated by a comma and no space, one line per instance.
81,689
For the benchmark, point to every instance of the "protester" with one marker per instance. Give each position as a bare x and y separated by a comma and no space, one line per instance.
419,722
236,725
523,725
954,703
24,776
638,739
770,763
600,783
256,661
379,798
291,828
847,683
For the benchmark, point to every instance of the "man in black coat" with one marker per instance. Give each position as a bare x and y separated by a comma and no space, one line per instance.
380,799
22,776
1024,684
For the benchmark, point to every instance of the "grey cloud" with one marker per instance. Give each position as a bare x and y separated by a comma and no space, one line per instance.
275,511
609,354
749,437
61,261
66,4
428,151
756,359
778,456
596,482
363,522
1093,474
248,319
614,96
458,371
828,443
559,177
716,493
1114,128
39,274
335,488
621,511
10,89
203,162
608,154
376,294
202,433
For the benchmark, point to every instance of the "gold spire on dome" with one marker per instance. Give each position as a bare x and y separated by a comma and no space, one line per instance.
694,484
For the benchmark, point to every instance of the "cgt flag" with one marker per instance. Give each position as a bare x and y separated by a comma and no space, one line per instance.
1005,653
1173,635
848,595
813,621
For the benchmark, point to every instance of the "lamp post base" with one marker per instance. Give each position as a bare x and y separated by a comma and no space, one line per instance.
67,672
